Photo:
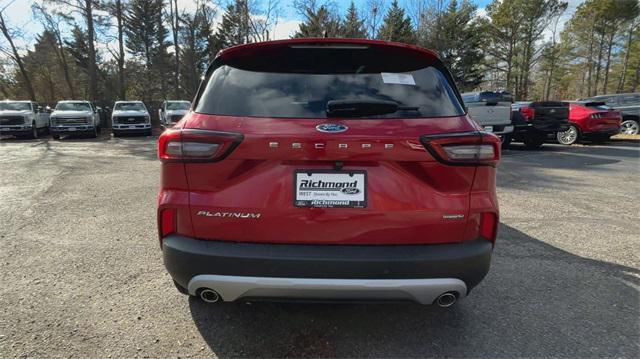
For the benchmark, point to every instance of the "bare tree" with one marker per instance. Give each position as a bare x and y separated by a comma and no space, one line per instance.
51,22
374,16
174,19
15,55
85,9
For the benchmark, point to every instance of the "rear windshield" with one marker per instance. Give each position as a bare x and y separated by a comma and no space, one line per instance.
423,91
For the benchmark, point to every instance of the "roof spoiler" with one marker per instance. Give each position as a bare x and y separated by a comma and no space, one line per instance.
593,103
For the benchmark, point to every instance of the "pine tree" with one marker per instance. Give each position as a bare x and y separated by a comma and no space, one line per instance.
143,22
319,23
353,25
234,28
78,47
456,36
397,26
146,39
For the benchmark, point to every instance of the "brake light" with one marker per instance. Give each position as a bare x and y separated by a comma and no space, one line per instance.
167,222
488,226
469,148
186,145
528,113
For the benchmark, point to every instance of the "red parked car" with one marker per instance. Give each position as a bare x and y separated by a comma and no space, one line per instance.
592,121
327,169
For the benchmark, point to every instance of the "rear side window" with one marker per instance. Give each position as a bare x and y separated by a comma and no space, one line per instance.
630,99
301,87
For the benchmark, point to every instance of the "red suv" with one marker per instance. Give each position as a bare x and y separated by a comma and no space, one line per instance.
327,169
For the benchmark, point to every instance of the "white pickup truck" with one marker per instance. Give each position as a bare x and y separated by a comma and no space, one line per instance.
491,110
22,118
172,111
74,117
130,117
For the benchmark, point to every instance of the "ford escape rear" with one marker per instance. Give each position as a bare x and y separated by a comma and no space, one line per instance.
337,170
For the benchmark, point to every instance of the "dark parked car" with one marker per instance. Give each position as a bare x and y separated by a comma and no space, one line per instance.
629,106
534,122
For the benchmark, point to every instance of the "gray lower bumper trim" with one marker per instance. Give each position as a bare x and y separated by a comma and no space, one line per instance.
423,291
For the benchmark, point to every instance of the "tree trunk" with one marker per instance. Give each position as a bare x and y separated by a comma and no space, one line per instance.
590,59
93,78
625,63
175,27
16,56
598,65
608,63
122,91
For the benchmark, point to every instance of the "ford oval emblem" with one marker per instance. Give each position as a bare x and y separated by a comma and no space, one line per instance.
350,190
331,127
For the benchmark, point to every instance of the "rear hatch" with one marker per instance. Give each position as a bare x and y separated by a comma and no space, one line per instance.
322,144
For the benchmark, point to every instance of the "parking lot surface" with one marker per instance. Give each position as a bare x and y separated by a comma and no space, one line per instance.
82,272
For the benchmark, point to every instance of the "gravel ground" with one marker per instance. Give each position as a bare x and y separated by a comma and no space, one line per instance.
82,273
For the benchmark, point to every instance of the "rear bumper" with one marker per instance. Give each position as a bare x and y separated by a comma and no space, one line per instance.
404,272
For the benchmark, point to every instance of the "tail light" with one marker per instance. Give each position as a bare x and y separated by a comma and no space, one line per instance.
488,226
528,113
167,223
469,148
186,145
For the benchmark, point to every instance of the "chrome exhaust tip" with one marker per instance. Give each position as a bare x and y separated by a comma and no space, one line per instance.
446,300
209,295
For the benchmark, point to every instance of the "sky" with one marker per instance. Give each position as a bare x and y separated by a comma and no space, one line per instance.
18,15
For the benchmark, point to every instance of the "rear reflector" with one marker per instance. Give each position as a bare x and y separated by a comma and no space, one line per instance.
187,145
488,226
167,222
468,148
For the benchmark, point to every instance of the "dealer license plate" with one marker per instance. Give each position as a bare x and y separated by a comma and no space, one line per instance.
330,189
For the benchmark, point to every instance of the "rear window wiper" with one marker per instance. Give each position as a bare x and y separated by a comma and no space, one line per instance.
360,108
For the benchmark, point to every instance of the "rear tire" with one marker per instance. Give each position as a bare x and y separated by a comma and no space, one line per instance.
629,127
56,137
568,137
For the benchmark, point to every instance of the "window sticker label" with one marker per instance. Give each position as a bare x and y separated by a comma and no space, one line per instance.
398,79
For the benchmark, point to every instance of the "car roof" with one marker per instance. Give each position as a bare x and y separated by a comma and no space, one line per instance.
130,101
239,50
81,101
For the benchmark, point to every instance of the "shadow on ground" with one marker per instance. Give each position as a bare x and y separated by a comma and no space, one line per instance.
536,301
